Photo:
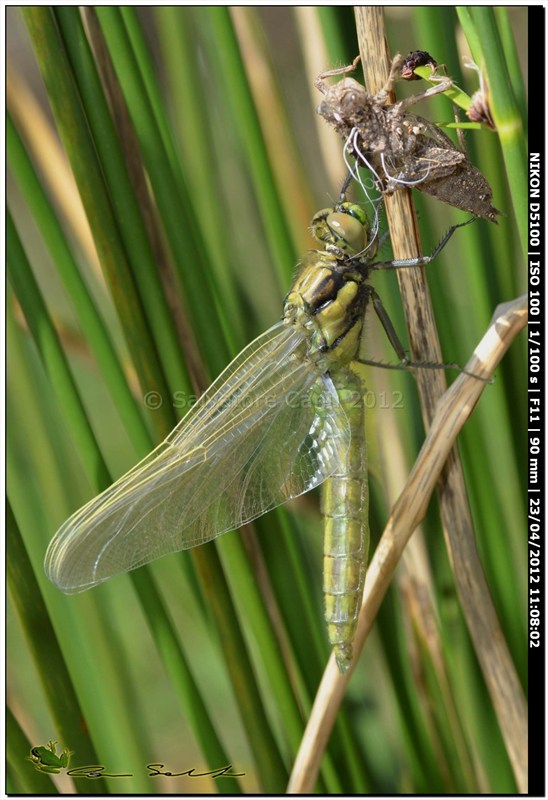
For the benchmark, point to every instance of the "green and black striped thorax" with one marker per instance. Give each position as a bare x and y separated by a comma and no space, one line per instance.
330,292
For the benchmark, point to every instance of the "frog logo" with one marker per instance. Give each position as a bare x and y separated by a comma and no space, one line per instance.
46,759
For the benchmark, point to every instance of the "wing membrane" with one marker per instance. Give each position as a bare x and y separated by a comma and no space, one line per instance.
254,440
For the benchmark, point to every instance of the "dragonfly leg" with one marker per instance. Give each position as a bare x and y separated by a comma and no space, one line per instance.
386,323
395,69
421,261
320,83
393,338
444,84
405,361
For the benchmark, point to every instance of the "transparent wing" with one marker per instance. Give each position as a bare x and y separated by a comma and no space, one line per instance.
268,429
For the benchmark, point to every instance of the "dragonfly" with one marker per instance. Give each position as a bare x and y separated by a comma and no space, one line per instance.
286,416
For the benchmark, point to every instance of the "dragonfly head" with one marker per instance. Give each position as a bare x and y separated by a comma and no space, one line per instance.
344,229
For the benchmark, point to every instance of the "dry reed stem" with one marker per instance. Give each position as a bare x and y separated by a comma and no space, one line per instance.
315,61
484,628
452,412
43,145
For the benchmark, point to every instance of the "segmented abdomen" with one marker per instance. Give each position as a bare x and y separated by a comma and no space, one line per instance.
345,507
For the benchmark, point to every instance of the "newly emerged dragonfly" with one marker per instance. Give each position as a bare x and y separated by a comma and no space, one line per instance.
284,417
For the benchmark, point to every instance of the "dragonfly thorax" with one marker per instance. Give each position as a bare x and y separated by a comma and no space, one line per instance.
327,302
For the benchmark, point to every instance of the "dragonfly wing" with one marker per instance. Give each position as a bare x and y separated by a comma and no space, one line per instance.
268,429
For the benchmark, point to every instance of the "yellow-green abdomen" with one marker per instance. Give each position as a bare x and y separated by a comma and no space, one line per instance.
345,507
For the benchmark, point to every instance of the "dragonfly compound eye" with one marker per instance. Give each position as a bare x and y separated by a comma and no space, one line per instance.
349,233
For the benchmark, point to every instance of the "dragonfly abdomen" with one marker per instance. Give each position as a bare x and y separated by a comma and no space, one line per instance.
346,539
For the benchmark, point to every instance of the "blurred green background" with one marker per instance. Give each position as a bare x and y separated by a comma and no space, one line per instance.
199,197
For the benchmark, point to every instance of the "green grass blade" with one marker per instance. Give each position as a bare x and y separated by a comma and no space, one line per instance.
176,665
230,72
512,60
42,641
505,111
39,322
262,742
176,209
74,131
125,206
88,316
198,158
